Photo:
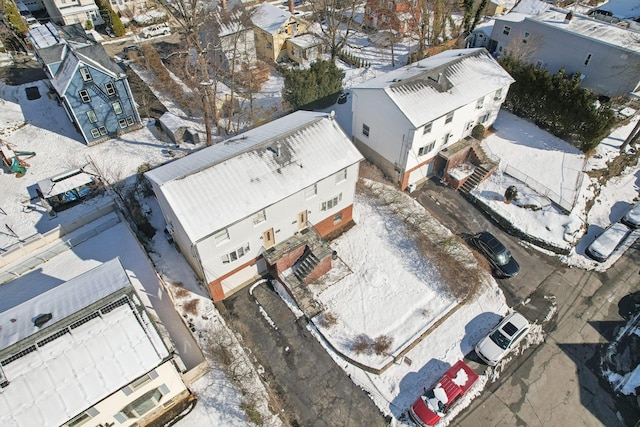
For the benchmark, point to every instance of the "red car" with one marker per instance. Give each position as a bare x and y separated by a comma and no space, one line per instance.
433,404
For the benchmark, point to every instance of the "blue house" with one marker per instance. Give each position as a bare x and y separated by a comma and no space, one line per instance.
90,86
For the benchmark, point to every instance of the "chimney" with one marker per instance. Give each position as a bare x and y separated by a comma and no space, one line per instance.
568,17
291,7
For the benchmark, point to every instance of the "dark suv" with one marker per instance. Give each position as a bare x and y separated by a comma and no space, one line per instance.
503,265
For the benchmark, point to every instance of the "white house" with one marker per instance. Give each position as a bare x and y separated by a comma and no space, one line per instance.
404,118
82,352
76,12
229,205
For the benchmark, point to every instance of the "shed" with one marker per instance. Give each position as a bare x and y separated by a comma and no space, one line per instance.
177,129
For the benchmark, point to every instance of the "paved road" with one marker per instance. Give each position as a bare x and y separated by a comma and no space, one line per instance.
558,382
313,389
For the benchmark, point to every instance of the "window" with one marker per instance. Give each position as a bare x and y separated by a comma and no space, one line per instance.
445,139
236,255
427,128
85,73
480,103
141,405
95,133
390,5
449,118
426,149
92,116
110,88
331,203
526,37
122,123
103,130
498,95
221,236
129,120
365,130
84,95
341,176
140,382
587,59
337,218
259,217
468,126
78,420
506,30
309,192
117,107
484,118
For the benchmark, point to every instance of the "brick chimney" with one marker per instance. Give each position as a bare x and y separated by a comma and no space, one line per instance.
291,7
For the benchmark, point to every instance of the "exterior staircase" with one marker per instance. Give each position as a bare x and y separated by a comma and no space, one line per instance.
305,265
485,166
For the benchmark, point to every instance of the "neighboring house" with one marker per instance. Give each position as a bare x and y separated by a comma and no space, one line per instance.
304,49
273,26
63,12
604,54
495,7
400,16
91,87
82,352
237,209
403,119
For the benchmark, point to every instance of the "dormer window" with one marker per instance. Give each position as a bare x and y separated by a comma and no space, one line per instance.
86,74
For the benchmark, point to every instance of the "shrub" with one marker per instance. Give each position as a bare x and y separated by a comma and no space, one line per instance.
361,344
382,344
510,194
252,413
478,132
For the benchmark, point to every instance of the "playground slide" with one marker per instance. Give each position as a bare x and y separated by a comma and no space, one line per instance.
16,167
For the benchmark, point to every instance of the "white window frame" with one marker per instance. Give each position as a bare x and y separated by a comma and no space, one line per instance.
122,123
91,115
130,121
337,218
311,191
221,236
331,203
85,74
498,95
103,130
259,217
427,128
366,130
117,107
110,88
341,176
426,149
236,254
449,117
506,30
84,96
95,132
480,103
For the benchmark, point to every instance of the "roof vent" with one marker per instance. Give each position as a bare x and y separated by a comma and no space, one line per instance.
278,149
568,17
42,319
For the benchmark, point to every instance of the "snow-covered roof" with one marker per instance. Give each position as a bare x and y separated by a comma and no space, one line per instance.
172,122
585,26
44,36
440,84
58,375
622,9
530,7
216,186
64,182
305,41
269,18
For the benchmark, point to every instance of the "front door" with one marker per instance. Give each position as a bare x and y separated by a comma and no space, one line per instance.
302,220
269,238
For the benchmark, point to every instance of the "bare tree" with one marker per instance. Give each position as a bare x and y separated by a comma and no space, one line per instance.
338,18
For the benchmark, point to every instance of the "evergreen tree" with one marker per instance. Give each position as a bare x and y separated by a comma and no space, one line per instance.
302,87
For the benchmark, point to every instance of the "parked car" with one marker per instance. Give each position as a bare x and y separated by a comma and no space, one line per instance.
435,402
503,338
632,218
156,30
503,265
342,99
606,243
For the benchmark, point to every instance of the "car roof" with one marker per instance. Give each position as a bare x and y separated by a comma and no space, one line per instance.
491,241
513,323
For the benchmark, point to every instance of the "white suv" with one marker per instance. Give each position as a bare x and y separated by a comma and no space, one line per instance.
156,30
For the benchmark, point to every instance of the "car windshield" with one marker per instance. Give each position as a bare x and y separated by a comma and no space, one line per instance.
500,340
503,258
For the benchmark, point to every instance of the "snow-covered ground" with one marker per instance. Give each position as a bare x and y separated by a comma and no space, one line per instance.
41,125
